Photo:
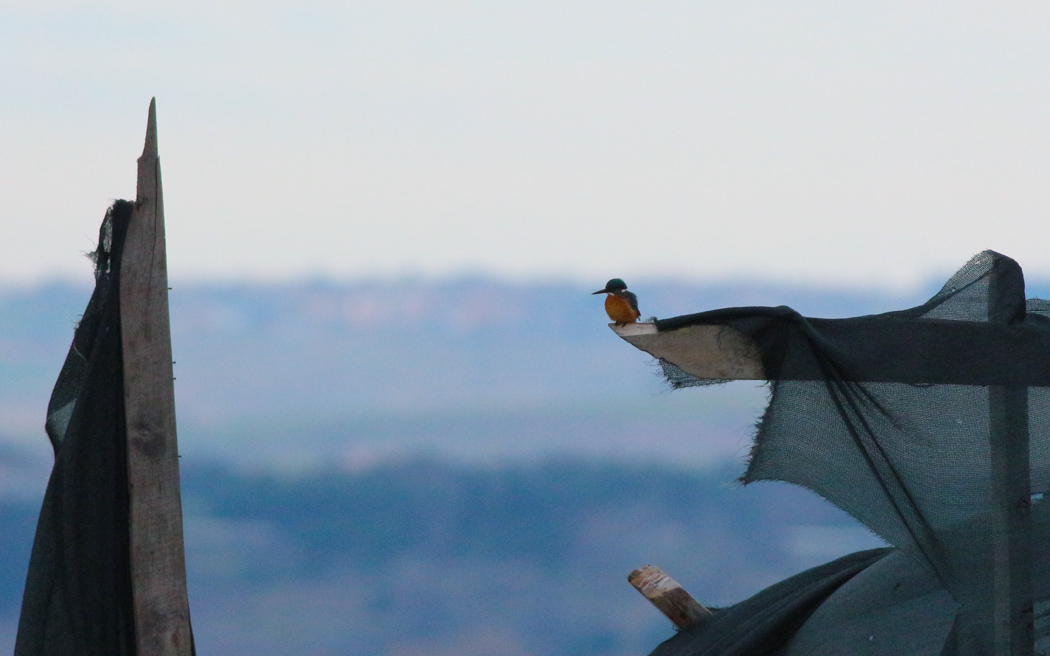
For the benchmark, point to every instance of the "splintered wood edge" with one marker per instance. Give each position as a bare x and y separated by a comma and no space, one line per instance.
669,597
711,352
158,562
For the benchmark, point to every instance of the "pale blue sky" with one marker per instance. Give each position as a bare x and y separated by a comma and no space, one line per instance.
811,141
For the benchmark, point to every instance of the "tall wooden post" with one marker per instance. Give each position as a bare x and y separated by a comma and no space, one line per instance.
1012,595
158,564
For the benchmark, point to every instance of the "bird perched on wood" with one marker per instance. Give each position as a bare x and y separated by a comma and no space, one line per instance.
620,304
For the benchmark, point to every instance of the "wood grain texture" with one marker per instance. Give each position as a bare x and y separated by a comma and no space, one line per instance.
158,564
714,352
669,597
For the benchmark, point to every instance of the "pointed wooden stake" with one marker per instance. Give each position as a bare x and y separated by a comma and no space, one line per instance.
158,563
668,596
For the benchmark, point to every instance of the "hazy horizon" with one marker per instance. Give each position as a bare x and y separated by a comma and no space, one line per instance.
927,283
296,374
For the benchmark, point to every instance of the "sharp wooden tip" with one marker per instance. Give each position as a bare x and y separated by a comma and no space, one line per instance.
150,148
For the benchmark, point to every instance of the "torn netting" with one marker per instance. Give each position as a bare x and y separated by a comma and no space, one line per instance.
77,597
932,427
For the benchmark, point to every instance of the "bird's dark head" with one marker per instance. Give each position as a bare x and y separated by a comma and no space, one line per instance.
613,286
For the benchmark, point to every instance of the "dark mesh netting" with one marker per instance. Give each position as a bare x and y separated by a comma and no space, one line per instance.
78,598
680,379
930,426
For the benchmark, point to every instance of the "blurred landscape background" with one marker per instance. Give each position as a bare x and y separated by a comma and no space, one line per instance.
382,455
422,467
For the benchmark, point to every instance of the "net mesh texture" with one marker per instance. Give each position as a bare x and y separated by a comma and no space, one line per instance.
932,427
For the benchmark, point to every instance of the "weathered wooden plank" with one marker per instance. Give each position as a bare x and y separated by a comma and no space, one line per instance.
668,596
158,564
717,352
1009,442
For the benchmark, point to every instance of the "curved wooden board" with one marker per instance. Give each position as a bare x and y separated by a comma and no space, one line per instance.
713,352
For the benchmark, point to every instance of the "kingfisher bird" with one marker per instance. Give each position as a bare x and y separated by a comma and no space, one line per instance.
620,304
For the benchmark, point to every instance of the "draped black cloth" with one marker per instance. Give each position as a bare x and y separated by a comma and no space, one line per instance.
78,598
931,426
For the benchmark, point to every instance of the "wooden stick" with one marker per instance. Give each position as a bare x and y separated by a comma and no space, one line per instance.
158,563
668,596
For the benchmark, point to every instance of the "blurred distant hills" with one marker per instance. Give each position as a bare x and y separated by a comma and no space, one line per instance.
467,466
422,557
468,368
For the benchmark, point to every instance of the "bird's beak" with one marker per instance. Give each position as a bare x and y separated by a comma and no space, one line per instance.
600,291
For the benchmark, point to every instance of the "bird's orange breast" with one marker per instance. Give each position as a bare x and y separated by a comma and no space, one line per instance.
619,309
